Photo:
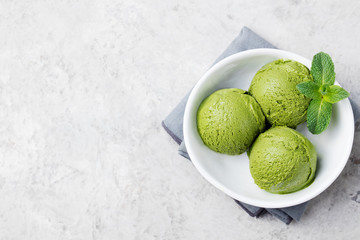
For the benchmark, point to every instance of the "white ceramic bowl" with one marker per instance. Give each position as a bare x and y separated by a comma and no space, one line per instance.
231,174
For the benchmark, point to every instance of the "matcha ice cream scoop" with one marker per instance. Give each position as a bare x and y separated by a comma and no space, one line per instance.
274,88
229,120
282,160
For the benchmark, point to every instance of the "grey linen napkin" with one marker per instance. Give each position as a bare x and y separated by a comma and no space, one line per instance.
173,124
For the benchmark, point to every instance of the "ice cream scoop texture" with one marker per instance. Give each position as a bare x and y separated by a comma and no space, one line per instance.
274,88
282,160
229,120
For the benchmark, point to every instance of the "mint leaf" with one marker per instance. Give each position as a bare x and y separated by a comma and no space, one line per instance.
318,115
335,93
322,69
309,89
323,89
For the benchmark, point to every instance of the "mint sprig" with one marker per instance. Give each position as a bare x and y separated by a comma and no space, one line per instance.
323,93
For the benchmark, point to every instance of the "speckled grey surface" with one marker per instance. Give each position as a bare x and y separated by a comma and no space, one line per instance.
83,87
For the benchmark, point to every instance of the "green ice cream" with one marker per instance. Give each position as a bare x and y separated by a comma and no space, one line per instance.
274,88
282,160
229,120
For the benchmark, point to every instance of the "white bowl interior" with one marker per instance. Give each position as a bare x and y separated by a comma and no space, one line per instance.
231,174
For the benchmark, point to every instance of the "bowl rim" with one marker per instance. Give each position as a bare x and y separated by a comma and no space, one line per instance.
220,186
